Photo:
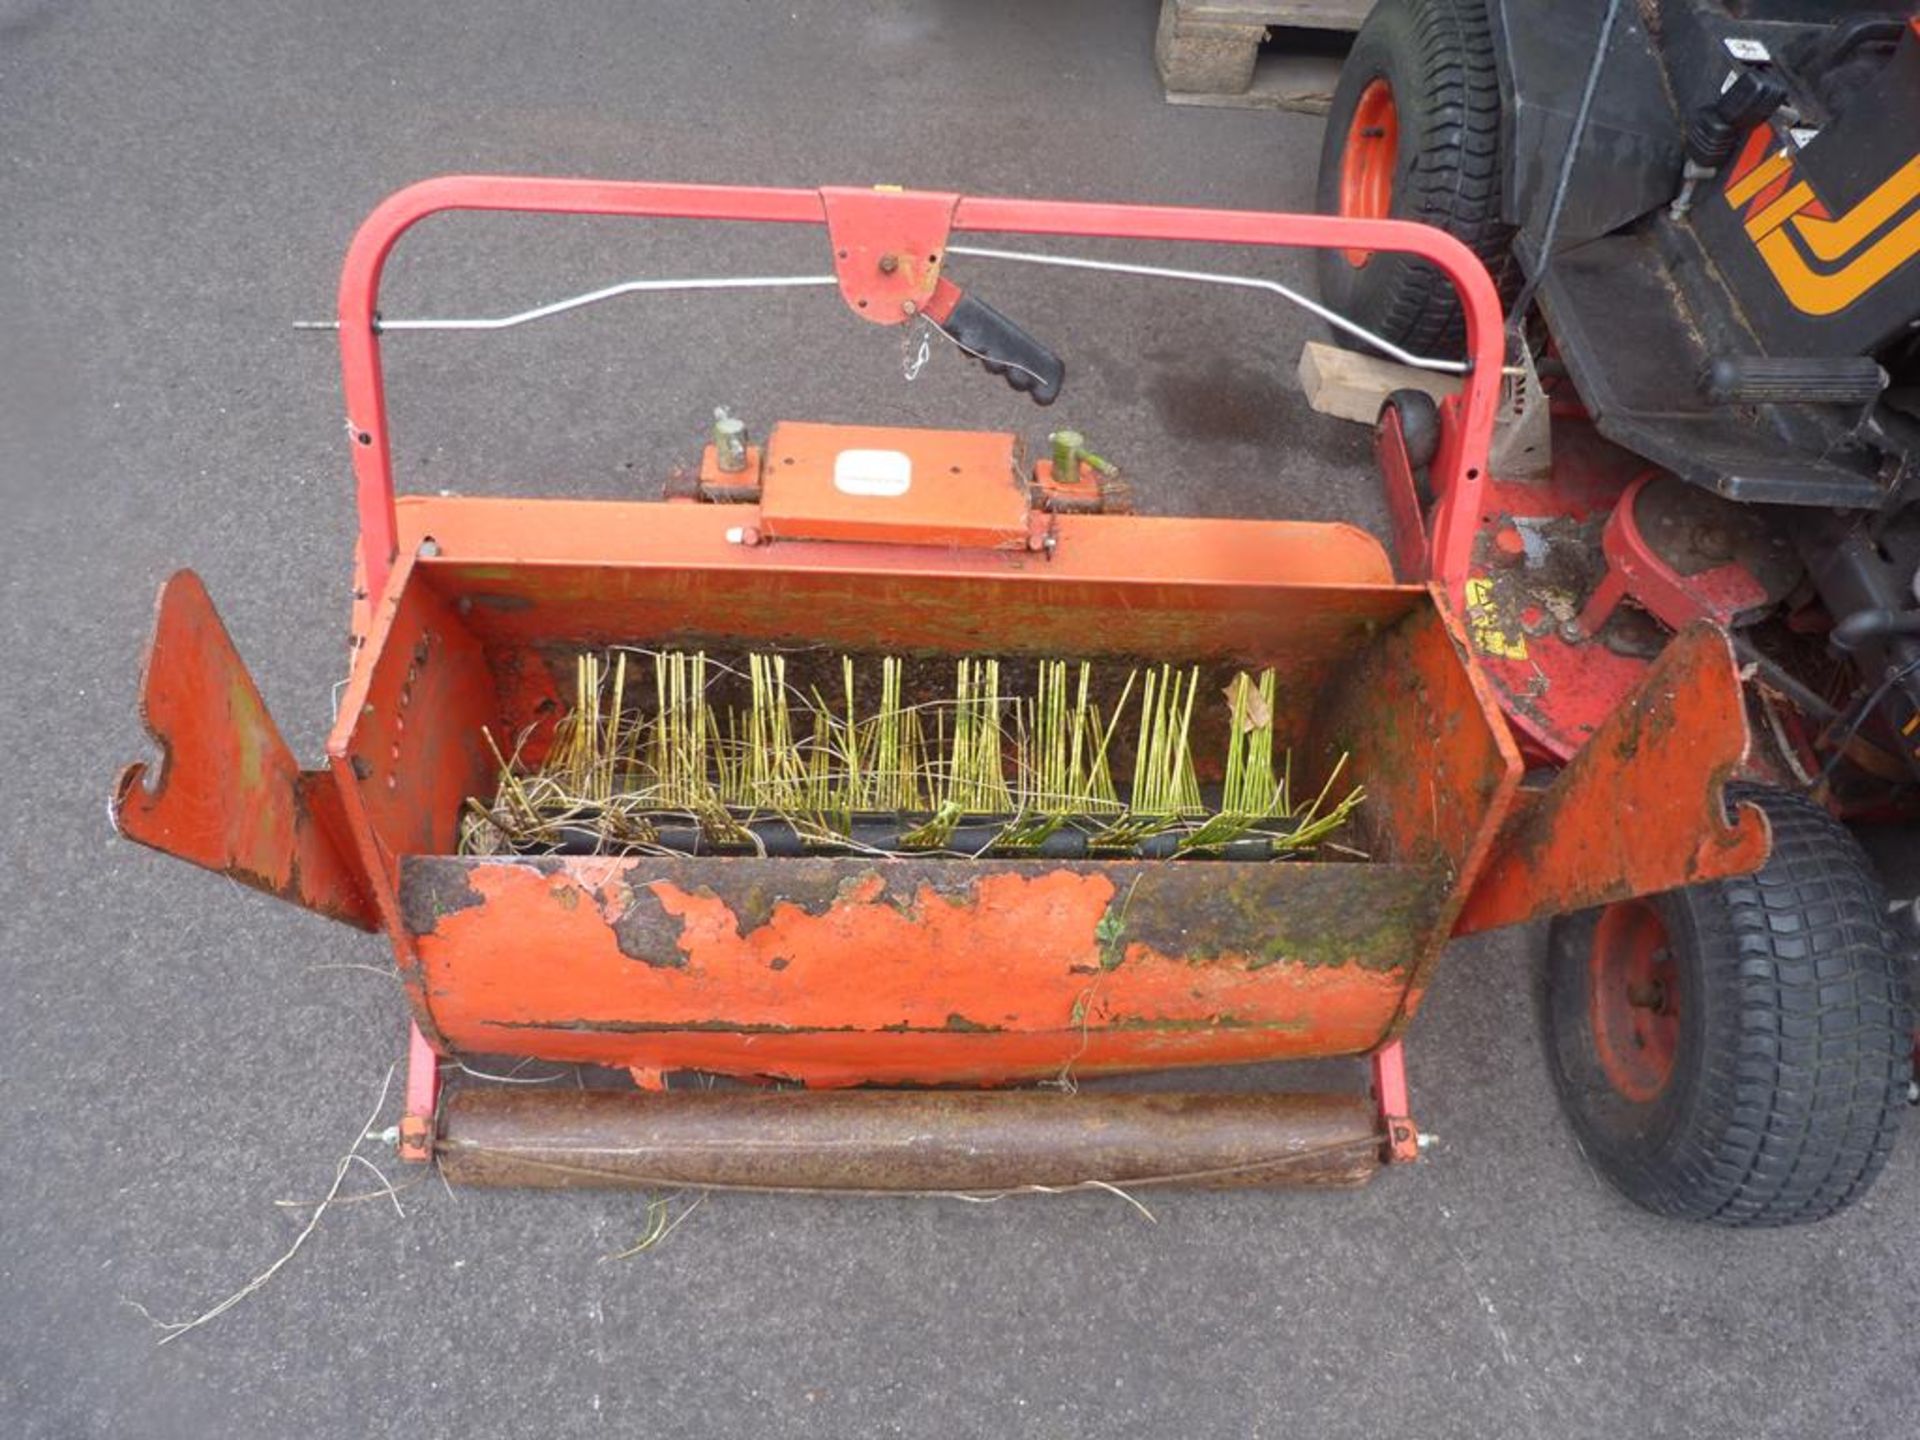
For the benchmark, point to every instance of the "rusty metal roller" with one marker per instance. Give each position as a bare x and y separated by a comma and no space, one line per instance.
904,1140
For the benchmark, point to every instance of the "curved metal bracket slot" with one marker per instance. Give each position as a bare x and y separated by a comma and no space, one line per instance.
1641,808
230,797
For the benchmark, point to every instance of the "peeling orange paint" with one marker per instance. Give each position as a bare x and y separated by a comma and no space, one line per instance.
995,976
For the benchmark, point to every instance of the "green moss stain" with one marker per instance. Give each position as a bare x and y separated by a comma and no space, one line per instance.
1111,933
250,727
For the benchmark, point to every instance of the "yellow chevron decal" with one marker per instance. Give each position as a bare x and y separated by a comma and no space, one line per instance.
1825,263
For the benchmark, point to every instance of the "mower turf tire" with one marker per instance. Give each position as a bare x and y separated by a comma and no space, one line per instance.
1437,55
1794,1037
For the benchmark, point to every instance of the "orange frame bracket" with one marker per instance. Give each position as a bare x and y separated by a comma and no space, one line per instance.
889,250
1641,808
229,795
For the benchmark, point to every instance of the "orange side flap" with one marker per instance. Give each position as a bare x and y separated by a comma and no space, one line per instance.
229,796
1640,809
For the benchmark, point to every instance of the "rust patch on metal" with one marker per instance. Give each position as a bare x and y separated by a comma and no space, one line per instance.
756,902
638,929
906,1140
429,893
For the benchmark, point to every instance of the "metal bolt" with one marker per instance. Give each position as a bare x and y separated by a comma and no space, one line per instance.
889,264
907,307
1646,997
429,548
729,442
1068,446
1571,632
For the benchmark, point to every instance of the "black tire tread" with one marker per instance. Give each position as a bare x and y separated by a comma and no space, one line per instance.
1455,183
1815,1087
1806,1056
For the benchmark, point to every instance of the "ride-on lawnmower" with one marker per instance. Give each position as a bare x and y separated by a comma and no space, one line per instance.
1704,222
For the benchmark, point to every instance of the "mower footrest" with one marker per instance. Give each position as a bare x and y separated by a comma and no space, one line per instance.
1789,380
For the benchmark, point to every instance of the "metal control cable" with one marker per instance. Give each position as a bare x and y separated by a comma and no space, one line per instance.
1894,675
1524,300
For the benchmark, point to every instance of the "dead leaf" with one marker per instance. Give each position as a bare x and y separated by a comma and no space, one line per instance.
1249,708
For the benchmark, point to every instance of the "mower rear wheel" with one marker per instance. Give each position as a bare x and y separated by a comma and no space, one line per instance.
1738,1051
1414,134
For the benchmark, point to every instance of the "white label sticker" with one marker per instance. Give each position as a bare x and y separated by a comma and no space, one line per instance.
1749,50
1802,135
882,474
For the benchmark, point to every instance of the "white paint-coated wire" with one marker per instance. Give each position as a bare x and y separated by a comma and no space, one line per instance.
1213,277
1025,257
592,297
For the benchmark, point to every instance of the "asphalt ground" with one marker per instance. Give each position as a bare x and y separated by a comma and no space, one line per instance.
177,186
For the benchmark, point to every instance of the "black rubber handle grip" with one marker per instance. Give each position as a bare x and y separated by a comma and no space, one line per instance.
1005,349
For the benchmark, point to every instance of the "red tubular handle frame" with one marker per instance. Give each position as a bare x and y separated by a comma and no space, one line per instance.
1459,471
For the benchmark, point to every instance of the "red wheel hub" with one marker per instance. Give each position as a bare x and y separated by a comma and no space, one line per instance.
1634,999
1367,159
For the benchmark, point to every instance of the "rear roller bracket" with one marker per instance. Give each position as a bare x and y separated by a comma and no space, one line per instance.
1403,1141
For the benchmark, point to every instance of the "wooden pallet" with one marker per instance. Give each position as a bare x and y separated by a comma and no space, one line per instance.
1209,52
